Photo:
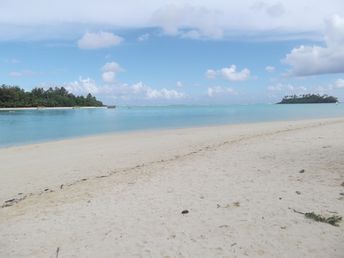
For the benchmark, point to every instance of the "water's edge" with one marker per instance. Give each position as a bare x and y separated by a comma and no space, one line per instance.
22,127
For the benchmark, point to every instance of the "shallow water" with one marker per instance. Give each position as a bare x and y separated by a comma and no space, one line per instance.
31,126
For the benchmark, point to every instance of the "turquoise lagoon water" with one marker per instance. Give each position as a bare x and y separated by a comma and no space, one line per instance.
31,126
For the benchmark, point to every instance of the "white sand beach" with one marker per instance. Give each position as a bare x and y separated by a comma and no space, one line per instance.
122,195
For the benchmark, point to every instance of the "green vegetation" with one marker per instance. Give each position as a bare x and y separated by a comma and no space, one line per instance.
333,220
308,99
13,96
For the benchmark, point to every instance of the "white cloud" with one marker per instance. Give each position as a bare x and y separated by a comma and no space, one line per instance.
122,91
163,94
272,9
339,84
220,91
82,86
270,69
229,73
144,37
314,60
137,91
195,19
142,91
99,40
287,88
108,77
109,72
189,21
179,84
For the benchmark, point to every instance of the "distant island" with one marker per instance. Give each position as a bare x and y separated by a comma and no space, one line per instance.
15,97
308,99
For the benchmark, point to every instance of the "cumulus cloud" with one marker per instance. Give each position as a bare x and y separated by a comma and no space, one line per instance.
220,91
121,91
140,90
314,60
99,40
109,72
82,86
229,73
270,69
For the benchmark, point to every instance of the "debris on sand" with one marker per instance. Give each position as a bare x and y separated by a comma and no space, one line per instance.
185,212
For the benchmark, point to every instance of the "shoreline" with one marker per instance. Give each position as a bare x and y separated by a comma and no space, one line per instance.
45,108
136,141
236,181
157,130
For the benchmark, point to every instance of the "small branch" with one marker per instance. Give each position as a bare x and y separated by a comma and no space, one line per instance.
299,212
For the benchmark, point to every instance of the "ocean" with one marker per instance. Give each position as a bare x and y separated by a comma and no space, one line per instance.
32,126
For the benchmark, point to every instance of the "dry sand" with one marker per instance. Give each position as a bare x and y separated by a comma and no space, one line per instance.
122,195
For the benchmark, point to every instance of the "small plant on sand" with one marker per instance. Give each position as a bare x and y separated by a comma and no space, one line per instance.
333,220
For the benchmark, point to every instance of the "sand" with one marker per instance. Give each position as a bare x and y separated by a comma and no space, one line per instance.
122,195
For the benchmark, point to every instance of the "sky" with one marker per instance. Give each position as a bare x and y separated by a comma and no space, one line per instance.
175,52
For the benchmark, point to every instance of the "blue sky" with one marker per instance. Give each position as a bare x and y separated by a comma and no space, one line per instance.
184,52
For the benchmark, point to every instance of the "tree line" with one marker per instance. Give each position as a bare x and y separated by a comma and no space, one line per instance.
308,98
14,96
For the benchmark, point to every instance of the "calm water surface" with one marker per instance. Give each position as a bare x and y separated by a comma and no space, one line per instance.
31,126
